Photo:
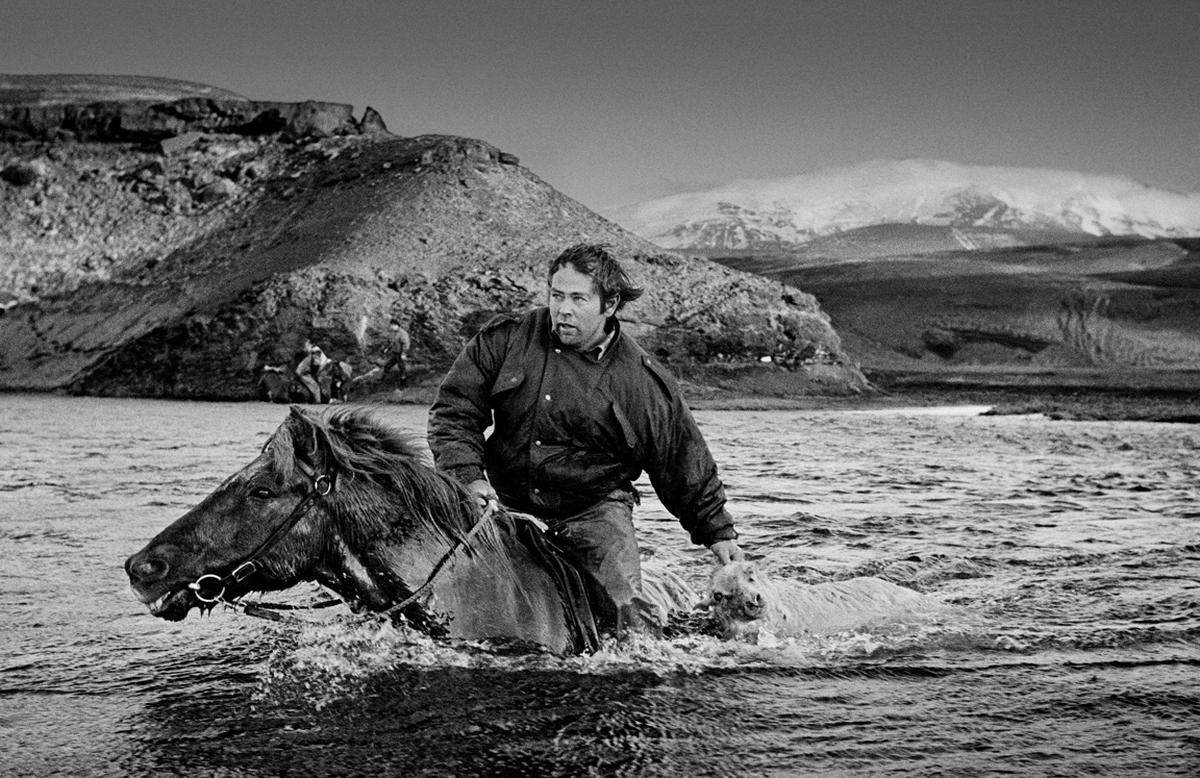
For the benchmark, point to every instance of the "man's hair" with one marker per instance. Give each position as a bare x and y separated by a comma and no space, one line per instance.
596,261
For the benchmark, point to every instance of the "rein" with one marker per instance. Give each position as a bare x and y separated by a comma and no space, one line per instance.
463,541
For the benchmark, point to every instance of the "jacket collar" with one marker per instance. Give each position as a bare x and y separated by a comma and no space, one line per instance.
595,353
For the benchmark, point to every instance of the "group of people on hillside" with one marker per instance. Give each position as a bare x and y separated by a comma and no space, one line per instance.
316,378
326,380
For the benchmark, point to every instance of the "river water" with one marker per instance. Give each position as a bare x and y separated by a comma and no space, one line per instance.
1066,555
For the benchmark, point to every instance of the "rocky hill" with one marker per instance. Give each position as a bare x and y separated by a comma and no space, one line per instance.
171,248
89,89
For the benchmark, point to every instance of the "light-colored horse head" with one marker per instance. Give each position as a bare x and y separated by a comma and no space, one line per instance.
739,596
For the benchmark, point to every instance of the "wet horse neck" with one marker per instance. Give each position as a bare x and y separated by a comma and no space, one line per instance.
488,587
352,573
494,588
373,570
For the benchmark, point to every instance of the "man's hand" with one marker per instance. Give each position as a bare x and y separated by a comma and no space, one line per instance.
486,495
727,551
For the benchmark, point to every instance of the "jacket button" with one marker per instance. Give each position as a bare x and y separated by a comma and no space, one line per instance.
547,398
537,490
537,442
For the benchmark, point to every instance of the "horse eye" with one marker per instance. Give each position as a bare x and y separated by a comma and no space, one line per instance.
263,493
717,596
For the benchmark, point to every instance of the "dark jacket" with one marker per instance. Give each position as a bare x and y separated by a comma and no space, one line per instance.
569,429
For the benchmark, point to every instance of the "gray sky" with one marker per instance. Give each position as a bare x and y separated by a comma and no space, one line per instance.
614,102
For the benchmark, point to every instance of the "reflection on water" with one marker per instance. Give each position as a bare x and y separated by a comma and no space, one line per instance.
1065,553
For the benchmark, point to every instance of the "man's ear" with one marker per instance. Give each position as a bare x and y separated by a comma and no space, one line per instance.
610,307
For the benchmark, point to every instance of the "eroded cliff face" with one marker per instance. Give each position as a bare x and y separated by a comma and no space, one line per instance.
178,264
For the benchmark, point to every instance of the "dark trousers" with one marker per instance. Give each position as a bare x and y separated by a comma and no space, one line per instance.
601,539
400,364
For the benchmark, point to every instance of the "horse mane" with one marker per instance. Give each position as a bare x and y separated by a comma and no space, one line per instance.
360,449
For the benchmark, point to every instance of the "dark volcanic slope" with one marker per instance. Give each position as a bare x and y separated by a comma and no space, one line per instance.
1121,311
179,273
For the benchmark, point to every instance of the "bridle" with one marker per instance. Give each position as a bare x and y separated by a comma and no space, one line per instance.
212,593
321,485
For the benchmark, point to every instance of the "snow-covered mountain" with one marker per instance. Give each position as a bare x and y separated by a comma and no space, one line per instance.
787,213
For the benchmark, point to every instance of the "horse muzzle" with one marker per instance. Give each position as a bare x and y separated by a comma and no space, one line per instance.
150,577
753,606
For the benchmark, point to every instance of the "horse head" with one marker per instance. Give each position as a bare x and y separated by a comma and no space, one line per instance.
738,592
294,513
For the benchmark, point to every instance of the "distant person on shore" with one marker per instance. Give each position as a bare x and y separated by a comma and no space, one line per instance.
335,380
275,384
580,410
397,358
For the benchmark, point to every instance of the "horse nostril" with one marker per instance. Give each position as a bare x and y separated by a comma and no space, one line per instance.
146,569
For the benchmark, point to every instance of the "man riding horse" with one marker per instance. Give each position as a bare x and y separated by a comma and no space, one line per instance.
580,410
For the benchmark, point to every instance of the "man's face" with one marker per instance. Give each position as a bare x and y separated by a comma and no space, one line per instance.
576,310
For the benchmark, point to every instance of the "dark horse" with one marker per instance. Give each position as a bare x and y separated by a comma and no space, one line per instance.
345,501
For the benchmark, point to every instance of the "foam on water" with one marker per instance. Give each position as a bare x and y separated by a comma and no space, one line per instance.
359,648
922,410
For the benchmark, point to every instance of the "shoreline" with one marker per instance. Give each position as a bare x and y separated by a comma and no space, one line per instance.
1056,404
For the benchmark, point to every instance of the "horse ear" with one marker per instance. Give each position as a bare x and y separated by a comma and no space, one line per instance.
300,425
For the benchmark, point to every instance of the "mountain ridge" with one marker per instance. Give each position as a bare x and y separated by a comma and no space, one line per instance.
785,214
44,89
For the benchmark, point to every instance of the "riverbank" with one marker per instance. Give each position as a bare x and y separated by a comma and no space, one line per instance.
1105,406
1068,395
1059,404
1076,405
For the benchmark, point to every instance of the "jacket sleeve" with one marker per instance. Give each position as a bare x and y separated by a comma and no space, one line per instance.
680,466
461,413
